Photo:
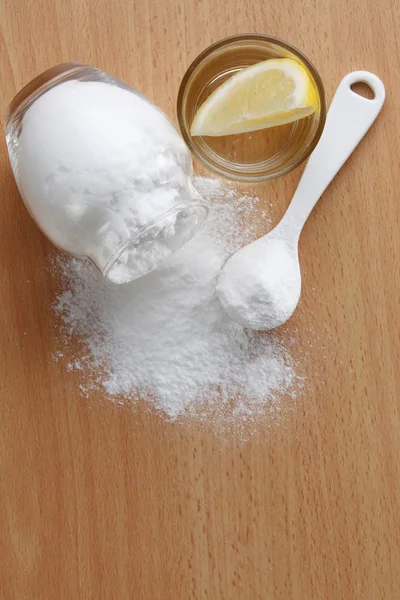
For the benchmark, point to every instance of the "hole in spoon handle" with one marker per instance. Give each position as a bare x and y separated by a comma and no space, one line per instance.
363,89
357,78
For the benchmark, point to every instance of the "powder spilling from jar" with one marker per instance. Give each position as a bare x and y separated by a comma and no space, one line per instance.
165,338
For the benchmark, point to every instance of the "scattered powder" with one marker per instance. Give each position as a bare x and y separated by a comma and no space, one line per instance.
165,338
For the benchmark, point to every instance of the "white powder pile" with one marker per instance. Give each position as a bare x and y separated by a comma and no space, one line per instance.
259,287
165,338
97,165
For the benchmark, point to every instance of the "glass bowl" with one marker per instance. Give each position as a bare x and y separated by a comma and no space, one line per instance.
257,155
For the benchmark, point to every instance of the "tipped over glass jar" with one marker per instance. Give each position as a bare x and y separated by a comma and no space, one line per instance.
103,172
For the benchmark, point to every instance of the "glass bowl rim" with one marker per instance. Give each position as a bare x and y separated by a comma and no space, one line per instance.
227,41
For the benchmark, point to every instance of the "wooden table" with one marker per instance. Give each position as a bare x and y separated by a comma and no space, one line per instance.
100,501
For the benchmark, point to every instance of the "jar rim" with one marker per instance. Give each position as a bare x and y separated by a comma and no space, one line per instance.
192,204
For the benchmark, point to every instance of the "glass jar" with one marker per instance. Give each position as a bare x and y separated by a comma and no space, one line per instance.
103,172
257,155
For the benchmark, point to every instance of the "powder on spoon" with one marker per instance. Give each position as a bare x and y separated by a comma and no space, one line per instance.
259,287
165,338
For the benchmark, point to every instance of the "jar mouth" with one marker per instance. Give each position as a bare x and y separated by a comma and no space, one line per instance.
154,243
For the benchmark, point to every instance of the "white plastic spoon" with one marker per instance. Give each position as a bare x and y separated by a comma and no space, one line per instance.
259,286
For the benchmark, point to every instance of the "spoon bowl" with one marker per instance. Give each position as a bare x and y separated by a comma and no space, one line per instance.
270,291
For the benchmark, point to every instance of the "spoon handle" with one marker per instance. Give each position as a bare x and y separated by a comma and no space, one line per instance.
349,118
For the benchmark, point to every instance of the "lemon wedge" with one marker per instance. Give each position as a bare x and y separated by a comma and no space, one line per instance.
269,93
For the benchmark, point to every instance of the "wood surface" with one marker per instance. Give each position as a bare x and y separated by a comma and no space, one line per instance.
99,501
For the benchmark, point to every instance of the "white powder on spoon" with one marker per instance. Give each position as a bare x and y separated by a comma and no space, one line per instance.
259,287
165,338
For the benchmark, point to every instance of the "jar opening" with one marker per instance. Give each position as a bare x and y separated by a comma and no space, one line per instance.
151,246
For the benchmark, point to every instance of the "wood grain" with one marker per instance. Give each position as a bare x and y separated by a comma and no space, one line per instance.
100,501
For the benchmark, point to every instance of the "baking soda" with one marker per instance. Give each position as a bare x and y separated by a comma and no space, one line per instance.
106,175
260,286
165,338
